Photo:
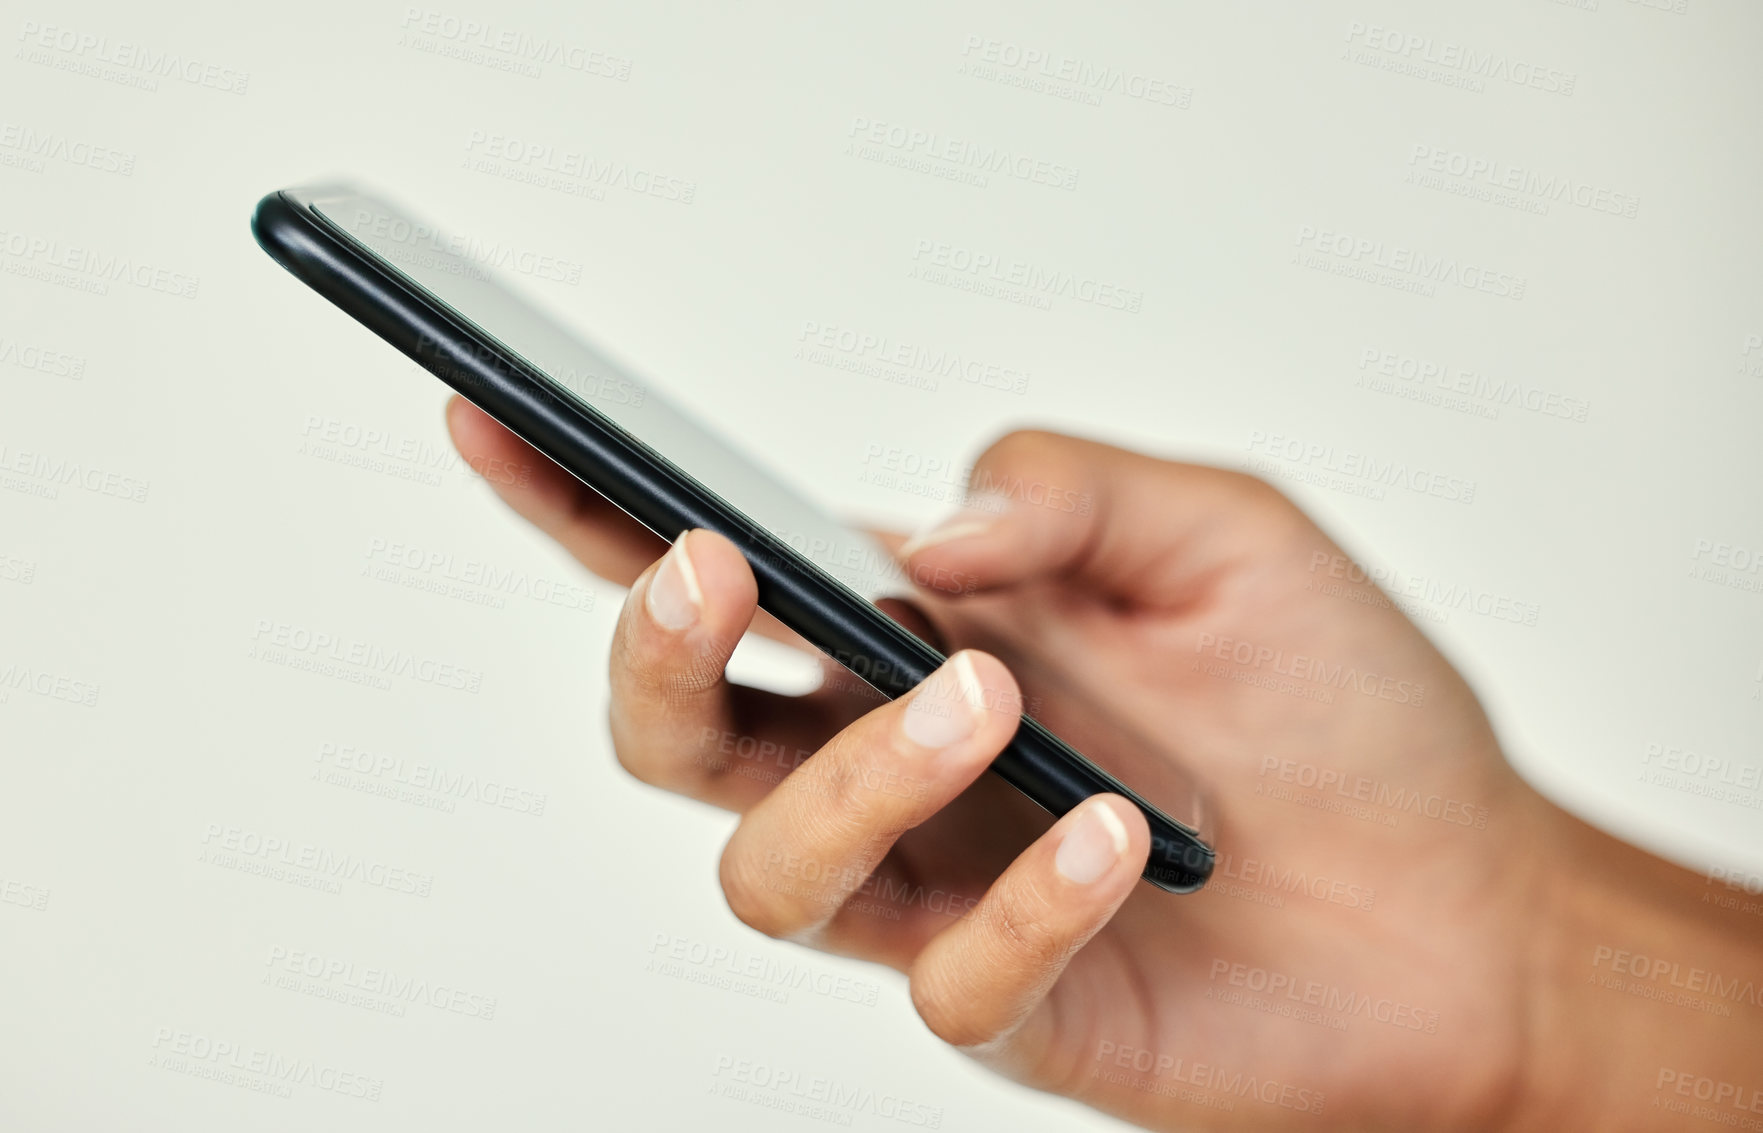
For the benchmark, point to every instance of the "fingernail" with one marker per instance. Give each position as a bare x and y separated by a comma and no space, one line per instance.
1094,843
674,599
948,706
978,516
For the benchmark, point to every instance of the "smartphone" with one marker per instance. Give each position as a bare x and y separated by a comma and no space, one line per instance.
436,299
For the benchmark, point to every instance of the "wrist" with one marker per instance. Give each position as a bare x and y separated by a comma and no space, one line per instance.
1645,1003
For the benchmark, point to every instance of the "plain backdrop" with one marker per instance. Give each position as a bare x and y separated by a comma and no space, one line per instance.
1510,249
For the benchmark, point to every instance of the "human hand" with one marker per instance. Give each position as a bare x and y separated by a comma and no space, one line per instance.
1385,944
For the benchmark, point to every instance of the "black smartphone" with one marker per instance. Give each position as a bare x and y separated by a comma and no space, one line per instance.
435,299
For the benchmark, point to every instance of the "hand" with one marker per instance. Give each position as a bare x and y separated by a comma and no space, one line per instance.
1400,932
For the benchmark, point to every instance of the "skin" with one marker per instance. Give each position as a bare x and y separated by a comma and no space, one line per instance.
1439,965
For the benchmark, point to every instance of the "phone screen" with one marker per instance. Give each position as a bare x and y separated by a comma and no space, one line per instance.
460,274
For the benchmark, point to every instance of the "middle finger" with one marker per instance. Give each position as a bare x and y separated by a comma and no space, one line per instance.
801,852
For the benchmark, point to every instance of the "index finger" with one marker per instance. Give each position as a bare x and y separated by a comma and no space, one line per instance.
588,525
599,534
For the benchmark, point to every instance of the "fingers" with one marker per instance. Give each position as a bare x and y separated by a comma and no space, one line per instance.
605,539
983,982
801,852
676,722
1045,506
587,525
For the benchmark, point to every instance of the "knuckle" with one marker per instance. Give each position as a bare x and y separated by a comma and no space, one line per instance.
1264,502
754,903
1018,447
649,767
1256,491
639,765
639,757
666,763
947,1013
664,681
1013,917
845,785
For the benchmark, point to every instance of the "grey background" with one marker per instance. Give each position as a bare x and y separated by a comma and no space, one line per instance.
281,452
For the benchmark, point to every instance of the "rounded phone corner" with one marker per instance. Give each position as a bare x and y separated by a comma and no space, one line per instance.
1179,864
269,219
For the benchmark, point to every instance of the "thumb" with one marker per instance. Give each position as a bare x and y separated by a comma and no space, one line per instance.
1044,507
